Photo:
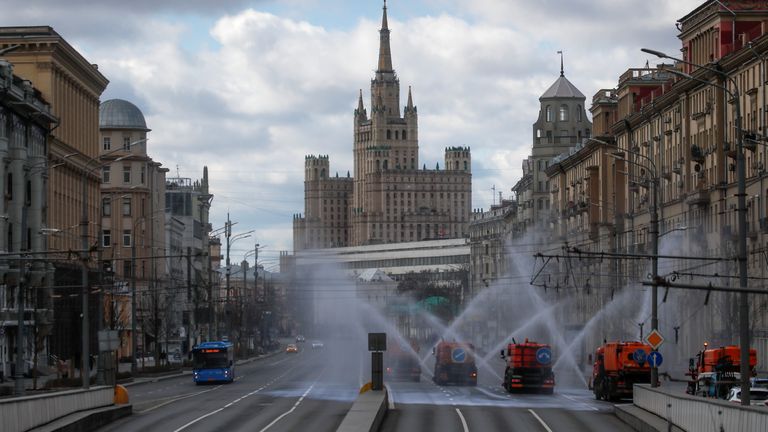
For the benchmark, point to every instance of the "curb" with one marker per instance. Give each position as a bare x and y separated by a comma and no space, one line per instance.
87,420
643,421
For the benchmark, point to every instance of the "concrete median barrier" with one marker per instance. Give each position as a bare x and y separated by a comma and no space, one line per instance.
366,413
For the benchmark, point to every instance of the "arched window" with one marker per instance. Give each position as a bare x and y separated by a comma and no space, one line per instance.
386,164
397,135
563,112
405,135
389,134
322,173
549,113
578,113
456,166
465,165
378,165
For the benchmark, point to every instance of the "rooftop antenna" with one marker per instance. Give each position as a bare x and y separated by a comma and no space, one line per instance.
494,194
178,173
562,71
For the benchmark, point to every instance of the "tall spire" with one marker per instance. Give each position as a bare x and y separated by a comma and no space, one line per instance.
385,53
562,71
409,107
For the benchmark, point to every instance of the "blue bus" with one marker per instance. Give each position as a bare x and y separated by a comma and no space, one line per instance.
213,362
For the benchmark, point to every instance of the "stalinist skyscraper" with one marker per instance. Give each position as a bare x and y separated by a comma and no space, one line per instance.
390,198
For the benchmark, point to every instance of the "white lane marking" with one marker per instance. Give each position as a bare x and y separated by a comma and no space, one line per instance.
463,421
390,397
580,402
489,394
540,420
290,410
233,402
176,399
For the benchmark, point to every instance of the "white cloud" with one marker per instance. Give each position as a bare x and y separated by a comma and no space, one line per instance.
277,88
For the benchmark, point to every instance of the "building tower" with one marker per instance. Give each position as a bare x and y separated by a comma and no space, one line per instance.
386,140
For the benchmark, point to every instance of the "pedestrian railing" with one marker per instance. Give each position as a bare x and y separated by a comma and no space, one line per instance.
27,412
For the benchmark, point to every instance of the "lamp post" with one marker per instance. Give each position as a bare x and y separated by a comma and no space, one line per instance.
231,240
741,211
654,232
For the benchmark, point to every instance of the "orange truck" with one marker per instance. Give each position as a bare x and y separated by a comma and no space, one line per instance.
455,363
401,361
617,367
529,367
715,371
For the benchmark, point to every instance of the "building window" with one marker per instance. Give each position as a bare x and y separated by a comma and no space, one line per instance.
405,135
127,238
563,112
126,206
106,238
143,174
106,207
107,143
105,174
578,113
549,113
127,174
389,134
126,143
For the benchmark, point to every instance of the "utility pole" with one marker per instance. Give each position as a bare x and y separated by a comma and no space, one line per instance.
85,351
134,338
227,235
194,298
19,376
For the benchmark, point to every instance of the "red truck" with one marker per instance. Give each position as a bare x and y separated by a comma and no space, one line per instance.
455,363
401,361
529,367
716,370
617,367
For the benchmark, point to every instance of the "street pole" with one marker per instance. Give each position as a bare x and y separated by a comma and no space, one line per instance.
655,270
85,352
741,187
227,235
742,219
134,339
19,376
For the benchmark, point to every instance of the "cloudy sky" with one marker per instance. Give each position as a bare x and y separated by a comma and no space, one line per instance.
249,87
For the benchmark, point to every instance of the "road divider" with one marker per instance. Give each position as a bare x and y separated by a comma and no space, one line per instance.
367,412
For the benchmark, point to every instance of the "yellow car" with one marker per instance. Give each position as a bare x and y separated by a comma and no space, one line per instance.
291,348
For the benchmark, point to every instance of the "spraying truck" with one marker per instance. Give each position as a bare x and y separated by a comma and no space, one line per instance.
401,361
529,367
455,363
715,371
617,367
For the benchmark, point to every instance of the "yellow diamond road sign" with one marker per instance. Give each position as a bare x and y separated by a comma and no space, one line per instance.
654,339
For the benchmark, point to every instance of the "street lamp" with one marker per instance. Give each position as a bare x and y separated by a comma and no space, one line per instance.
741,212
654,247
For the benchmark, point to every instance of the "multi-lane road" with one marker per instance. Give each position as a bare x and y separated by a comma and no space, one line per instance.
313,390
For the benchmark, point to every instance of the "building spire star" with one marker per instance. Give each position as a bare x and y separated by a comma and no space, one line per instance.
385,52
562,71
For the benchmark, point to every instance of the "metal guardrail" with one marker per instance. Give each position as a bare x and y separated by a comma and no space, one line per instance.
27,412
699,414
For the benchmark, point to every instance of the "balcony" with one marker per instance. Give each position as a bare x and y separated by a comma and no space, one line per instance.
698,198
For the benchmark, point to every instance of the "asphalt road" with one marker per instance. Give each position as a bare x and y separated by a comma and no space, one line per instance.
314,389
286,392
425,406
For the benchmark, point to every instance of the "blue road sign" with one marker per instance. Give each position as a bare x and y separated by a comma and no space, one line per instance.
459,355
639,355
655,359
544,355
